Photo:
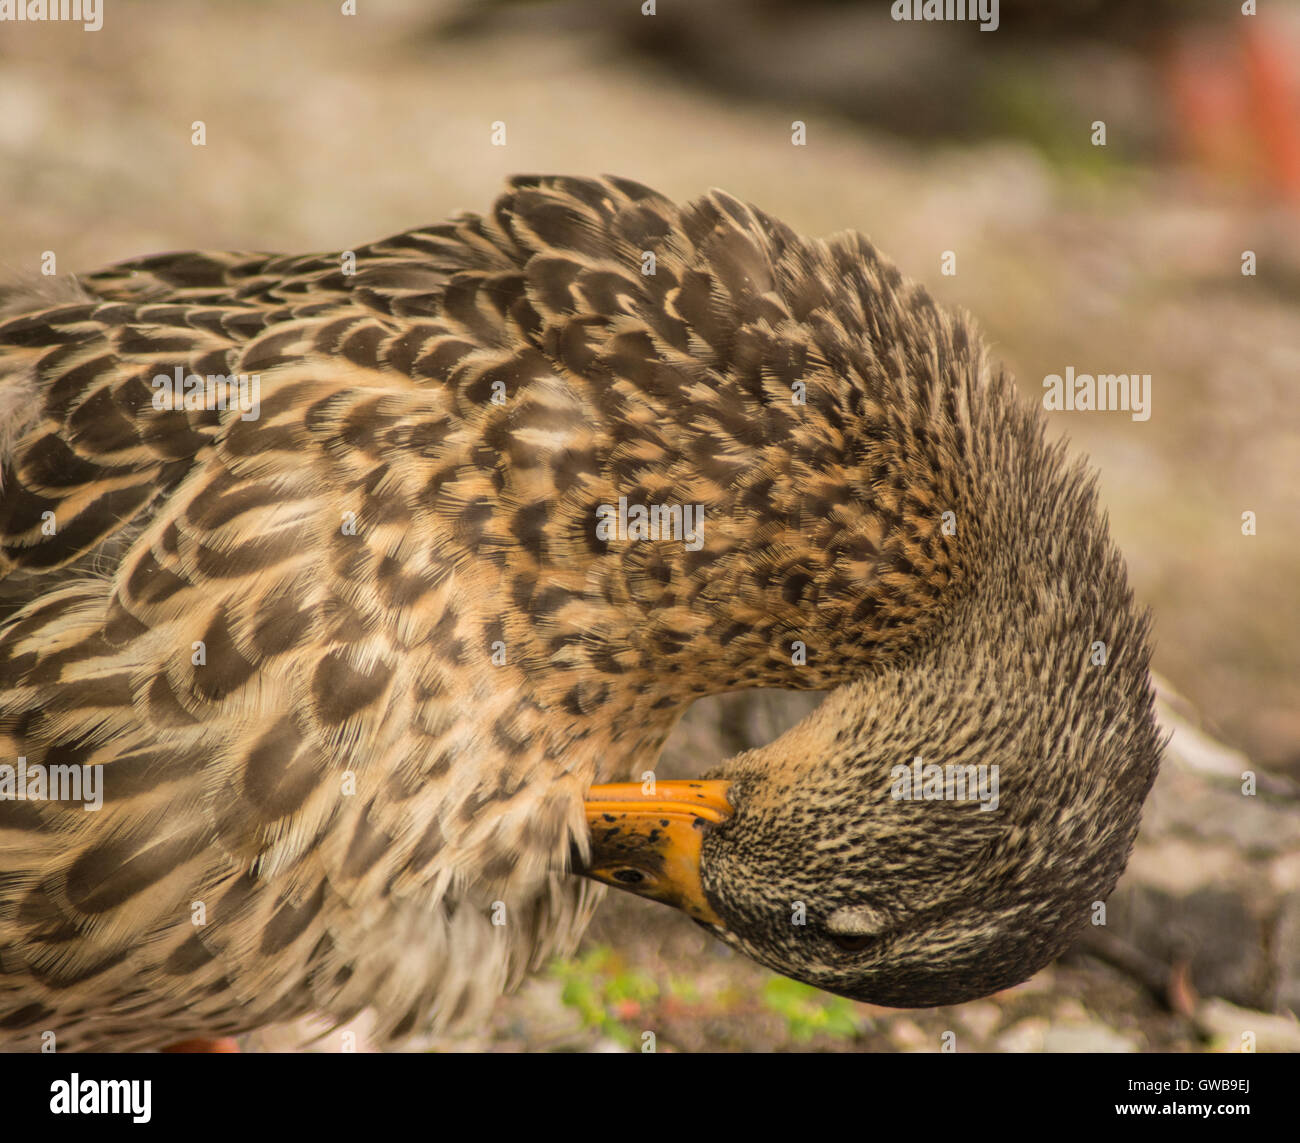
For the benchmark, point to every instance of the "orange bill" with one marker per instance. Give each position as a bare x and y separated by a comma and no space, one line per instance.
649,843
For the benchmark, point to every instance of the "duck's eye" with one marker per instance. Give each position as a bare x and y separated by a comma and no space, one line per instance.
628,876
853,927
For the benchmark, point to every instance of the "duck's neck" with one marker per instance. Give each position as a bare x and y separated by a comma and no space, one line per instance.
810,569
846,540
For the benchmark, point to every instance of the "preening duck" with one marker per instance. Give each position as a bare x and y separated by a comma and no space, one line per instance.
364,589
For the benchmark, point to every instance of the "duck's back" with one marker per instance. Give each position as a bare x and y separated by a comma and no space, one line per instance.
276,639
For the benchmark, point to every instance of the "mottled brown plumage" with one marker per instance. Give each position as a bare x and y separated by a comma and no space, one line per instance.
418,653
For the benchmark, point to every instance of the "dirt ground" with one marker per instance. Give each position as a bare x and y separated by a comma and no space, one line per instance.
324,131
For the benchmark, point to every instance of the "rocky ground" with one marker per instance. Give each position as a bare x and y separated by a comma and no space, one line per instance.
324,131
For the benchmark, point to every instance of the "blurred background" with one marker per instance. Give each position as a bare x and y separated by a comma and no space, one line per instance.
326,130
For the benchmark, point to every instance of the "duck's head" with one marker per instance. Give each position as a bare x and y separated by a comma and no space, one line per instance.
834,856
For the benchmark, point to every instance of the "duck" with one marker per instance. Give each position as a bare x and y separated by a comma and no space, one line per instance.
364,652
